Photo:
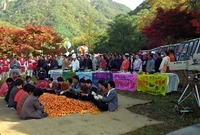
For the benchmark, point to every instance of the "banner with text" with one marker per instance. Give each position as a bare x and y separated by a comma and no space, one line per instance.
153,84
125,81
106,76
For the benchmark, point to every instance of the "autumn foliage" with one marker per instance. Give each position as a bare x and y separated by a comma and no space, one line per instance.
28,40
172,26
61,105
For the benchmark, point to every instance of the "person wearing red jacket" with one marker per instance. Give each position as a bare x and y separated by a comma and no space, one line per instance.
30,66
125,64
5,66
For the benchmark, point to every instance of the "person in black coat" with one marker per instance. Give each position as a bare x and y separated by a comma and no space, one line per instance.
87,62
158,62
88,94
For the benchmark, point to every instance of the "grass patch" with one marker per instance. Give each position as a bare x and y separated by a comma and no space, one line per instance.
161,108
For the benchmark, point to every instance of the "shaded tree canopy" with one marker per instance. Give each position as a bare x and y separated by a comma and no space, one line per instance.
121,34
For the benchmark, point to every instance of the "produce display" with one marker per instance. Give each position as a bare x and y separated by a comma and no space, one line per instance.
60,105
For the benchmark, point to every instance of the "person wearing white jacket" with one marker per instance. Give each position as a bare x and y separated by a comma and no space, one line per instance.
75,63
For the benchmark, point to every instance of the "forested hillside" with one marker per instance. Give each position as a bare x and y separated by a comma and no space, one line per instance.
68,17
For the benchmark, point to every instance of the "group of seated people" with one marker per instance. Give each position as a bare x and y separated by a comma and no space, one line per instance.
22,96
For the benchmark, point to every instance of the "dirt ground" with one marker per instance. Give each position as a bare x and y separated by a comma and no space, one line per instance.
106,123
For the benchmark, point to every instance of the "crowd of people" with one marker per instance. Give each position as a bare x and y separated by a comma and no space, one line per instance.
150,62
22,95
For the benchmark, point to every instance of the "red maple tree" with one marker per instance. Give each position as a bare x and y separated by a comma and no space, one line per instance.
171,26
30,39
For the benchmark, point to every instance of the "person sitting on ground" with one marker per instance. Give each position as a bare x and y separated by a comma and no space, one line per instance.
90,88
52,86
74,89
83,87
103,87
62,86
103,106
15,89
67,91
28,80
111,99
42,83
76,85
28,90
5,86
10,86
32,108
18,95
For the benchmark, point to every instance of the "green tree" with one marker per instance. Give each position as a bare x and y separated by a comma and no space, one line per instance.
102,46
122,36
89,36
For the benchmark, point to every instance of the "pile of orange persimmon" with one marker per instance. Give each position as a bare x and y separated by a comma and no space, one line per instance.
60,105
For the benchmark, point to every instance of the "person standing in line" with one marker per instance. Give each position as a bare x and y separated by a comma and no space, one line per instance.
132,59
29,66
103,63
137,64
118,62
75,65
165,61
60,61
87,62
94,62
150,68
66,63
125,64
172,59
158,62
15,66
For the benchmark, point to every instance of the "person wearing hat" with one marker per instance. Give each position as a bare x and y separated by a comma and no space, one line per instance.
75,63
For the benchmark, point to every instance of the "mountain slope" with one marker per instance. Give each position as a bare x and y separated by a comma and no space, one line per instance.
68,17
